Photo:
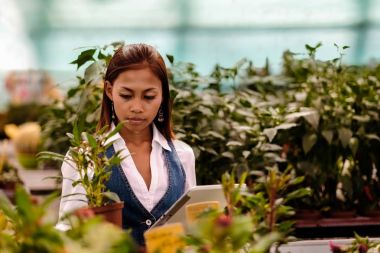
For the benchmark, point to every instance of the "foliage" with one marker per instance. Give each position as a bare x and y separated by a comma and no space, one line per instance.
359,244
26,138
254,218
321,117
23,228
8,173
223,127
335,141
89,234
218,232
21,113
87,156
82,102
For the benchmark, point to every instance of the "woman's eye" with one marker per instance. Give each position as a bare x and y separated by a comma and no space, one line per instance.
126,96
149,97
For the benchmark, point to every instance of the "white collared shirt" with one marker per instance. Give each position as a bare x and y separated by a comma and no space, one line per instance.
159,179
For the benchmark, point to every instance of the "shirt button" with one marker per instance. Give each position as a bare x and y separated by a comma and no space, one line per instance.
148,222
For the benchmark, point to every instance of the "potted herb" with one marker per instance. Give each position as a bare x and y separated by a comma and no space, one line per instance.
87,153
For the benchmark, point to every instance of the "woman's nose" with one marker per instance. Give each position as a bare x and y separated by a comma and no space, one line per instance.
136,106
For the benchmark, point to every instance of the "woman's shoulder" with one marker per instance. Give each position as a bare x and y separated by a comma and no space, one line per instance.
182,147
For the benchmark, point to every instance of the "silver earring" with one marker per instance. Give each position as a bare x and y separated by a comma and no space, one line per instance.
112,112
160,115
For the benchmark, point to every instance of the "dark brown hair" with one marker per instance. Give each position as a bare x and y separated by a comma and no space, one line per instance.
138,56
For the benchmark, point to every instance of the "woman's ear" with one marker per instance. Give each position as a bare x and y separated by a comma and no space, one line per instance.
108,89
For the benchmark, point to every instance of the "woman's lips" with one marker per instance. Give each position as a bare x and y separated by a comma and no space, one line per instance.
135,121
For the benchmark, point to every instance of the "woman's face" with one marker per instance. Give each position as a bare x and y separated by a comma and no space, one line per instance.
137,96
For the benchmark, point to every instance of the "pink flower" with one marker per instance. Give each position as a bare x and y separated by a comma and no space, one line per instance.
335,248
363,248
224,220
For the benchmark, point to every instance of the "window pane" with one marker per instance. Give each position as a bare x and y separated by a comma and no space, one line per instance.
116,13
278,13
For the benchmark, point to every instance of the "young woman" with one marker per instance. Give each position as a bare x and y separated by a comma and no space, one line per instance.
158,169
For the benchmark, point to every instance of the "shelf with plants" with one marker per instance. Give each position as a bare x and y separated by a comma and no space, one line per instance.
319,117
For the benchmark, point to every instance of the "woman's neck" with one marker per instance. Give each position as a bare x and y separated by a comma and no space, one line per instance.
137,138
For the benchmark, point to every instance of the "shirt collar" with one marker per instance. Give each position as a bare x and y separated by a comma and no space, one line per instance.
157,137
160,139
115,137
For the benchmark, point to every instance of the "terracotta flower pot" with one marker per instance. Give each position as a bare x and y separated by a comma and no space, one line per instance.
111,213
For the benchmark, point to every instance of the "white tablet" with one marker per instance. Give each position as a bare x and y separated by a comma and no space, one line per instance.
201,193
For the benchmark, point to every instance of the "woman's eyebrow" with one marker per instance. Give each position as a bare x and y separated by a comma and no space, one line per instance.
150,89
131,90
127,89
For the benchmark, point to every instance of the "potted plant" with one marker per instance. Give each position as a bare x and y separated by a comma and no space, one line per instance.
26,227
8,176
335,137
26,140
87,153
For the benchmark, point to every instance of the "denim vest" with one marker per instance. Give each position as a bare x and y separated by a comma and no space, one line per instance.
135,216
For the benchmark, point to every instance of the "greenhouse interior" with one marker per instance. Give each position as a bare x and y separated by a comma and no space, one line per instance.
189,126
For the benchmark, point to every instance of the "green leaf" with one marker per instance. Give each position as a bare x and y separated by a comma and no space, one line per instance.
264,243
270,133
91,140
70,135
47,155
286,126
354,144
345,47
101,56
116,130
246,153
270,147
310,115
362,118
76,133
228,155
216,135
72,92
345,135
94,72
24,204
308,142
112,196
211,151
85,56
328,135
372,137
296,180
297,194
170,58
117,44
234,143
75,183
